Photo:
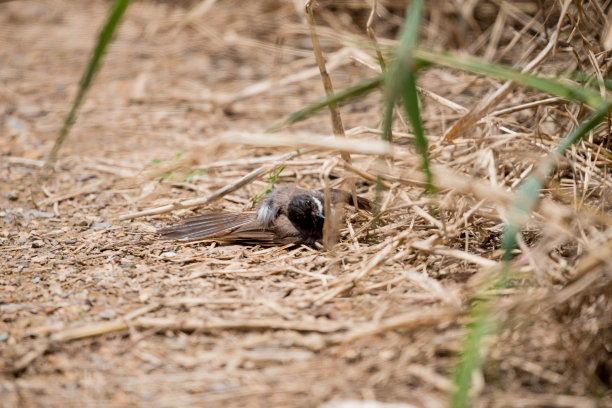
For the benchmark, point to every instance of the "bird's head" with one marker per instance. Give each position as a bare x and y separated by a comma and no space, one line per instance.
306,211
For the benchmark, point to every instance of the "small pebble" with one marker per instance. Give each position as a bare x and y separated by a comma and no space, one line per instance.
11,195
38,244
168,254
36,279
70,241
4,336
101,225
37,214
16,124
108,314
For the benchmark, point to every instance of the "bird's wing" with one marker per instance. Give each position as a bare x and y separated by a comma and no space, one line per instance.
234,228
280,233
211,225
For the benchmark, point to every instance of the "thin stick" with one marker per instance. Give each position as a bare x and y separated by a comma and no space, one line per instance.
329,89
214,196
410,320
344,145
329,233
325,78
372,35
191,324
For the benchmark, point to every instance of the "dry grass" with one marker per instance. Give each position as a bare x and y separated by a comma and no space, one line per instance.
95,311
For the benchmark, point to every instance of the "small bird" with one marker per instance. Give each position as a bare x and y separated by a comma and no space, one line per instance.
288,215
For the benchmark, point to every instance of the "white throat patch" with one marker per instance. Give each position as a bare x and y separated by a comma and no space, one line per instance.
319,205
266,213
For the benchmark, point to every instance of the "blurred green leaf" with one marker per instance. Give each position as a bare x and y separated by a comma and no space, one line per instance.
105,37
362,88
193,174
552,86
272,178
525,200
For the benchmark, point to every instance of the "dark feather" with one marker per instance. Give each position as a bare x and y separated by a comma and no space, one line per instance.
277,223
234,228
211,225
281,233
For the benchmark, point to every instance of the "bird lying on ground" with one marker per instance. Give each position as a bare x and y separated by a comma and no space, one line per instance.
288,215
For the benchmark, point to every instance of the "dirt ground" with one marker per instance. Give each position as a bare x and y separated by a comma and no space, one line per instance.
97,311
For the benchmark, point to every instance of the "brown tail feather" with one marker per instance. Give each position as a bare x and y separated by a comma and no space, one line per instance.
211,225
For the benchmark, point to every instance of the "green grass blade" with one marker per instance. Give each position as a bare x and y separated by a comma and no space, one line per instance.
387,119
272,178
525,200
104,39
401,81
585,126
362,88
426,58
563,89
481,325
411,105
410,33
591,80
528,192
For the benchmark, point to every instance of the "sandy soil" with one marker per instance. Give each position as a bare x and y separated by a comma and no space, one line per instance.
97,311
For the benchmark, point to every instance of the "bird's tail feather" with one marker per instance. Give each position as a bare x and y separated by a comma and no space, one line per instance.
211,225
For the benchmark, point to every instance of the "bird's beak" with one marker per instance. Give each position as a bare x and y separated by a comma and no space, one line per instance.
320,215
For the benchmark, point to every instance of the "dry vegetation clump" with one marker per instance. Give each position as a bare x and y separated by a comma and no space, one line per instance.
95,310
